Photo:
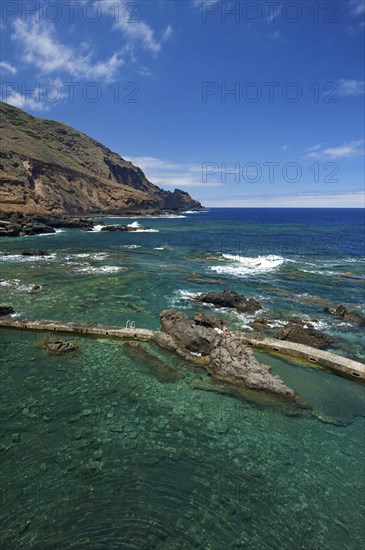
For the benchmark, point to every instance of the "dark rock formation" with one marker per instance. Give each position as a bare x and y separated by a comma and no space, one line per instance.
164,373
19,224
302,333
225,358
55,345
114,228
41,253
209,322
6,310
187,334
230,299
347,316
23,229
260,324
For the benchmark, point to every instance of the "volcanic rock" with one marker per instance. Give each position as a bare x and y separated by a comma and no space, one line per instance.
347,316
6,310
49,168
302,333
225,358
230,299
55,345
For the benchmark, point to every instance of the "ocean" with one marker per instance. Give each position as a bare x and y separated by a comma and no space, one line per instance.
105,449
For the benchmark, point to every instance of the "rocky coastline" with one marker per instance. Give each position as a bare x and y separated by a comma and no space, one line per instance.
226,359
20,225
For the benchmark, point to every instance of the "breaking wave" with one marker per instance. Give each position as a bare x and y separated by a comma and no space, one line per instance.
239,266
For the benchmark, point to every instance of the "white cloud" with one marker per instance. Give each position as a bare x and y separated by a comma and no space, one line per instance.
7,68
144,71
284,148
357,7
346,150
135,31
139,32
276,35
40,47
23,102
172,174
351,87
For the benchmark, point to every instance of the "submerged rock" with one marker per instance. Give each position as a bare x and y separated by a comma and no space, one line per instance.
55,345
230,299
224,357
162,371
347,316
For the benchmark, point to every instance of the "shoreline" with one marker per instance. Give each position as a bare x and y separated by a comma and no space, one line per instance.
17,224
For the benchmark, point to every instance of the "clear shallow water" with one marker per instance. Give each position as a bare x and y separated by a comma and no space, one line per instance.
117,451
113,454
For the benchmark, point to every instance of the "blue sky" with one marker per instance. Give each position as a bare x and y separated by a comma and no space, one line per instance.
254,103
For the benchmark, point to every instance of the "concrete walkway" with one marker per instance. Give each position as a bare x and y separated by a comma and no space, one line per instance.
78,328
337,363
341,365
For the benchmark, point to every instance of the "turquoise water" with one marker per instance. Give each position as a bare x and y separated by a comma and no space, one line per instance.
112,447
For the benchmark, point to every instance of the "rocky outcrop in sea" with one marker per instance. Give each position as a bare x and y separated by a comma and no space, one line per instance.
230,299
221,355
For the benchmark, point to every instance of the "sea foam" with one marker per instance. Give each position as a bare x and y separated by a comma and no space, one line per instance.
240,266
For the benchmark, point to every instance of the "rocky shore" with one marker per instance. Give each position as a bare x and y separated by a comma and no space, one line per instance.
230,299
118,228
348,316
20,225
293,330
222,356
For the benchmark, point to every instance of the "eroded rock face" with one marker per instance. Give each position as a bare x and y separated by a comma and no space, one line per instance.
55,345
347,316
187,334
209,322
225,358
18,224
235,363
230,299
50,168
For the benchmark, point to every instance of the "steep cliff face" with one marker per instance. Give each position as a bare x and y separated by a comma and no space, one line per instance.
47,167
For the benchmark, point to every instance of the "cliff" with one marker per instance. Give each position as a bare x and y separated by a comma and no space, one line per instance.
49,168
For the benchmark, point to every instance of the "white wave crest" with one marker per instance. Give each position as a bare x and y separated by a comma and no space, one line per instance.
241,266
102,269
146,231
25,258
91,255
